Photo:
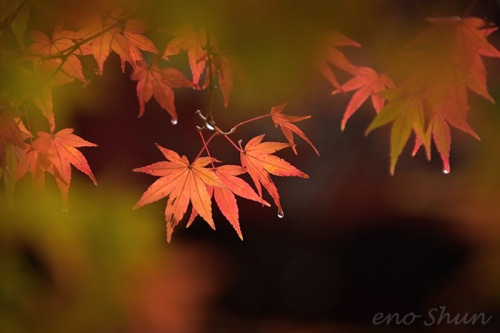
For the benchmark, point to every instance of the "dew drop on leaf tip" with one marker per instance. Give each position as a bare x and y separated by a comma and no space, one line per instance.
446,171
173,121
281,214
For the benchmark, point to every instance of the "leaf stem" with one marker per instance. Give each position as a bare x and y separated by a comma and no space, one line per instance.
469,8
232,142
206,147
28,122
9,19
205,144
211,86
250,120
73,48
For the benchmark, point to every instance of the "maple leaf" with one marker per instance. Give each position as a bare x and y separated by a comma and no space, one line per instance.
158,82
225,197
57,152
120,35
332,55
406,111
33,163
285,123
194,42
223,68
62,40
52,71
10,133
444,61
367,82
20,22
182,182
256,158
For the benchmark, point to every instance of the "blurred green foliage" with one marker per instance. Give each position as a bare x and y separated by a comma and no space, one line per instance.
75,270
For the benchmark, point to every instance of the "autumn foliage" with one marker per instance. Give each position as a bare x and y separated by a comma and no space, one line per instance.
429,94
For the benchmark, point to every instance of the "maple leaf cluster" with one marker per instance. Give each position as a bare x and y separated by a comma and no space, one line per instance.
187,182
56,59
442,63
52,61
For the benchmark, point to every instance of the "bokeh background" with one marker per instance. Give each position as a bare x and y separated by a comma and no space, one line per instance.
354,242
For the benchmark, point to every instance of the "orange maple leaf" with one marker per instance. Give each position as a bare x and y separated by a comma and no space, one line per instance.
444,61
61,41
124,38
57,152
256,158
225,197
331,55
222,66
10,133
158,82
367,82
285,123
53,70
182,182
194,42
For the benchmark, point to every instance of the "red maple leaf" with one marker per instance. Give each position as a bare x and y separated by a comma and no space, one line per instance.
331,55
285,123
182,182
158,82
256,158
368,83
225,196
57,152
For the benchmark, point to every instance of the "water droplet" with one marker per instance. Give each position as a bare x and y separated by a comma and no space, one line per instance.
281,214
446,171
173,121
210,127
65,210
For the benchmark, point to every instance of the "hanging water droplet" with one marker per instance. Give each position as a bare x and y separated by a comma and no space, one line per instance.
446,171
173,121
281,214
209,126
65,210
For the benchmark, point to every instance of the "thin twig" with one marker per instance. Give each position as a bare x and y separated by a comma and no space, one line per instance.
9,19
469,8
